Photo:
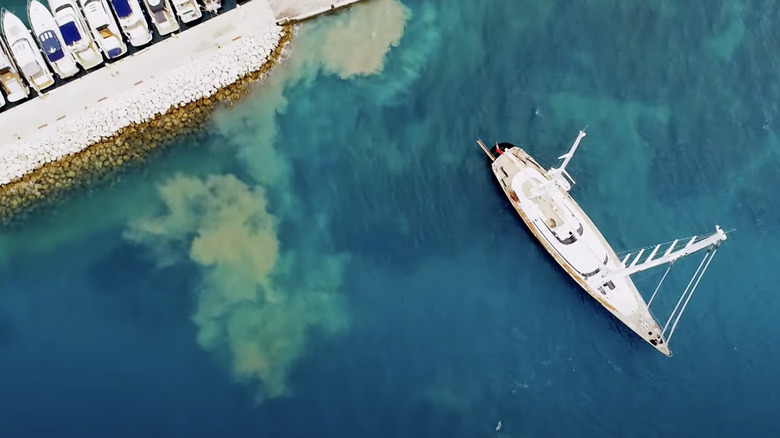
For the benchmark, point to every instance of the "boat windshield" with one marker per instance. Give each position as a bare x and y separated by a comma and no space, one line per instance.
122,8
70,33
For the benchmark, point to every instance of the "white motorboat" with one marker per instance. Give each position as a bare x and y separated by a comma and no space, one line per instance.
212,6
26,52
188,10
48,35
10,79
75,33
105,29
541,198
162,16
132,21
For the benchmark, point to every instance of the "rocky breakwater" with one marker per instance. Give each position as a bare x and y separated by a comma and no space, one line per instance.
125,128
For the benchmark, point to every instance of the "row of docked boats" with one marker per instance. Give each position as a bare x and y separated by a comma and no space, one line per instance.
79,33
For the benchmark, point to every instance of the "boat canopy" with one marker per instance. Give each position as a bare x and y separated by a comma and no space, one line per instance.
122,8
51,46
70,33
25,57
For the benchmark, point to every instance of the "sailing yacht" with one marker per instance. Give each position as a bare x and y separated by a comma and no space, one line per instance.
48,35
10,79
75,34
541,198
26,53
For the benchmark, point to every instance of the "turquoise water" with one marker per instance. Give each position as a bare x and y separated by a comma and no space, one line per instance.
335,259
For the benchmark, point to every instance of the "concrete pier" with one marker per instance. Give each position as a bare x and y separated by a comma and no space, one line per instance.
294,11
135,89
50,143
190,66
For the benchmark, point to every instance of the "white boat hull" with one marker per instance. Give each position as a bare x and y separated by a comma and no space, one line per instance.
162,16
574,242
132,21
26,52
10,78
104,27
48,35
187,10
76,33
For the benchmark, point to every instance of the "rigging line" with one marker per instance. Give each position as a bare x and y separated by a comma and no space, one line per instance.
681,239
622,254
671,332
660,283
703,260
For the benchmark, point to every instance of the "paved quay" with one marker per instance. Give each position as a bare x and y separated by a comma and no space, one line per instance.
79,132
39,116
290,11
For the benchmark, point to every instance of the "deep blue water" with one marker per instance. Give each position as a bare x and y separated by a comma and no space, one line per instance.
335,259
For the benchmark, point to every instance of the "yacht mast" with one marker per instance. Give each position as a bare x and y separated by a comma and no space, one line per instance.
711,243
695,244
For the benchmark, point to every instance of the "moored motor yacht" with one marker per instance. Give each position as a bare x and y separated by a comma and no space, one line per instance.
75,33
132,21
10,79
162,16
48,35
104,28
26,52
188,10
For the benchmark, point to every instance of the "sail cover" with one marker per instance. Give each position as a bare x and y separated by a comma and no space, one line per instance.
122,8
51,46
70,33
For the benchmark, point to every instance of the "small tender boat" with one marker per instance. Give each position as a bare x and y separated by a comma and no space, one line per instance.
162,16
25,52
542,200
48,35
104,28
10,79
75,33
132,21
212,6
188,10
